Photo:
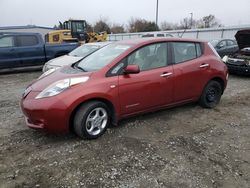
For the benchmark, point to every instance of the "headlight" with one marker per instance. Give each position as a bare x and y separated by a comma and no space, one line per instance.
225,59
47,66
60,86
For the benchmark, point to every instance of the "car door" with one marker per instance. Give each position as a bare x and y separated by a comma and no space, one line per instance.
8,53
30,51
190,70
232,47
150,88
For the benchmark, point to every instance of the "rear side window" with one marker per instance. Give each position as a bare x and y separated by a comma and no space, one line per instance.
184,51
27,40
198,49
148,35
6,42
160,35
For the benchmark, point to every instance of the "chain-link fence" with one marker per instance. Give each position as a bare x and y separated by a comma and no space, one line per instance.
205,34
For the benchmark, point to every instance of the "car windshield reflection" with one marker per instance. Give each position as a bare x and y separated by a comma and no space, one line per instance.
102,57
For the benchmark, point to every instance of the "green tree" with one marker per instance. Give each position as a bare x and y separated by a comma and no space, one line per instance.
168,26
141,25
101,26
89,27
210,21
116,28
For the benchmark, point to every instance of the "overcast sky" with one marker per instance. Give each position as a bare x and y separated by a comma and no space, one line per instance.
50,12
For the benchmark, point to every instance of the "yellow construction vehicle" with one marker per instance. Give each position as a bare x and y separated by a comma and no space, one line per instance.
60,36
97,37
74,31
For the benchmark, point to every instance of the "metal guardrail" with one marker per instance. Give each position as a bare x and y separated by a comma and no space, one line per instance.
204,34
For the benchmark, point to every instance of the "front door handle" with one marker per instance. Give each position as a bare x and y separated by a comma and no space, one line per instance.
167,74
204,65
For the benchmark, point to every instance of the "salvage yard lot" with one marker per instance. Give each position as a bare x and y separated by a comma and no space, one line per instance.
186,146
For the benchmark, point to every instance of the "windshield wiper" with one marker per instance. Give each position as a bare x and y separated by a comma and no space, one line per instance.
80,68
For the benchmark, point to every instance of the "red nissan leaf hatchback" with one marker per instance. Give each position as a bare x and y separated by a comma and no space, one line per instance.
123,79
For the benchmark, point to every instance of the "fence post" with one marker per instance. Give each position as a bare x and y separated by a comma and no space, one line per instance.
222,33
197,34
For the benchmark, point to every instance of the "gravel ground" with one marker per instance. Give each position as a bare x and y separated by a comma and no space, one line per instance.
187,146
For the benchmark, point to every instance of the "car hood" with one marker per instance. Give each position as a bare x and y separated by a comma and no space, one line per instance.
66,72
243,38
64,60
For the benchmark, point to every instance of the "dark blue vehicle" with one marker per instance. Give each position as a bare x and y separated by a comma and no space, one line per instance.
225,46
29,50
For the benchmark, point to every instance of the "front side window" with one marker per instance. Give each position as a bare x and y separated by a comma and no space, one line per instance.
78,27
230,43
6,42
184,51
102,57
27,40
222,44
149,57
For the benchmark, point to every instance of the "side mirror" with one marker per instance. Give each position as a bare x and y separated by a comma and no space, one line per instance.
131,69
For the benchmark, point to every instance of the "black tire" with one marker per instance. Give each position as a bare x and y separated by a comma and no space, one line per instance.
82,125
211,94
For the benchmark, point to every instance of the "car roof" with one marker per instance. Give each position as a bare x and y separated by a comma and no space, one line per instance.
155,34
155,39
18,33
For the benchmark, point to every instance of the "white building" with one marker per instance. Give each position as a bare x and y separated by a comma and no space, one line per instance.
29,29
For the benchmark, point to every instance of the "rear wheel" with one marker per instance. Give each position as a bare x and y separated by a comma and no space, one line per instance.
91,119
211,94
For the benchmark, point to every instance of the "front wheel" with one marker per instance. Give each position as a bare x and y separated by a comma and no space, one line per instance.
91,119
211,94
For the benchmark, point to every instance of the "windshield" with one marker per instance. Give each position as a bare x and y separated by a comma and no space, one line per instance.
84,50
78,27
214,42
102,57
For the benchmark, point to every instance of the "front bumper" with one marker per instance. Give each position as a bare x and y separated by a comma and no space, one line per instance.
49,114
239,69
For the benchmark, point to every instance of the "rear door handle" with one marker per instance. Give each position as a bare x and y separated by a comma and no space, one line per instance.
167,74
204,65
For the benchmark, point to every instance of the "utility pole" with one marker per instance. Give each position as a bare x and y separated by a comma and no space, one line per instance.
157,6
191,24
